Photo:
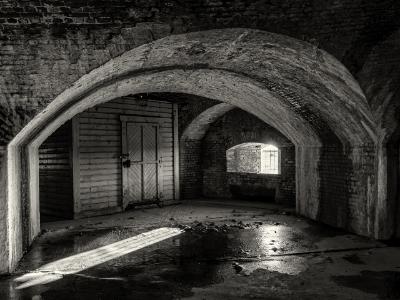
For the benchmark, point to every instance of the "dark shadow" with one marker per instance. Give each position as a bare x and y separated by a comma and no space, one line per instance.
335,169
393,180
55,176
253,193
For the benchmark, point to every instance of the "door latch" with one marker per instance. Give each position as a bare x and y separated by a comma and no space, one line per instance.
126,163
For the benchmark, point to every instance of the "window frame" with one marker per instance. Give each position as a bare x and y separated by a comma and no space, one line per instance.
277,160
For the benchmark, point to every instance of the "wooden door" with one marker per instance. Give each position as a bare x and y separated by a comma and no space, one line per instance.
141,163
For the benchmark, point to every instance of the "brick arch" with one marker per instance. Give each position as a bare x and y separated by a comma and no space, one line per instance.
199,126
294,86
306,79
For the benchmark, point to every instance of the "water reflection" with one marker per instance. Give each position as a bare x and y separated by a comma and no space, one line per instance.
73,264
274,239
167,269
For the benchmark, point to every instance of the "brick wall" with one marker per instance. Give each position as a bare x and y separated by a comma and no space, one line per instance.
335,25
190,169
46,45
190,106
260,187
334,168
348,185
226,133
244,159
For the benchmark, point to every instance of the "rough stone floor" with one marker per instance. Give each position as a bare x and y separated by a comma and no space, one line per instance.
203,250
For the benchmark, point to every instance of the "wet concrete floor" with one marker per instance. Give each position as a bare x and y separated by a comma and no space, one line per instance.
222,253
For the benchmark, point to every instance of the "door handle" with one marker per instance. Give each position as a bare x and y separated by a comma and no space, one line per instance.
126,163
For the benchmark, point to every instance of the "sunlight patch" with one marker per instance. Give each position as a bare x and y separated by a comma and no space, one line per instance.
73,264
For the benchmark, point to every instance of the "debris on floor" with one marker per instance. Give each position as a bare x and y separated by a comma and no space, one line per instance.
273,255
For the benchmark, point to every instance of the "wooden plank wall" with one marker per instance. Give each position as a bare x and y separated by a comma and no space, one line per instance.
55,175
100,149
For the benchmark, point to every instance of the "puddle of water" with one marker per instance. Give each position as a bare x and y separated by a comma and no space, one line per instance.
165,270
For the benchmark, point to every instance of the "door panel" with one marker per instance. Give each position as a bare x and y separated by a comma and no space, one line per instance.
142,173
150,188
135,183
134,136
150,143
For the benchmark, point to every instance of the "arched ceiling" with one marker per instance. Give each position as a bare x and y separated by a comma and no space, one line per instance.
292,85
214,84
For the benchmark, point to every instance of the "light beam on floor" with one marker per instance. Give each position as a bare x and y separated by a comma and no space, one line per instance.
73,264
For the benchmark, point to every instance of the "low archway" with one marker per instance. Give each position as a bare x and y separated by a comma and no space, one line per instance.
290,84
206,168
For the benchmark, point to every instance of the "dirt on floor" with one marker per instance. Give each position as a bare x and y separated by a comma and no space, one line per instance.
216,250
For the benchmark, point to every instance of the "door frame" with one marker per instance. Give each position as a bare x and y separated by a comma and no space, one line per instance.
149,121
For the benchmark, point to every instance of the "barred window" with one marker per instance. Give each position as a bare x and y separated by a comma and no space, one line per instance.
270,160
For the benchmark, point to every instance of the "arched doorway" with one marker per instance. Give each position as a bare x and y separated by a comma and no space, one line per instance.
211,166
300,106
